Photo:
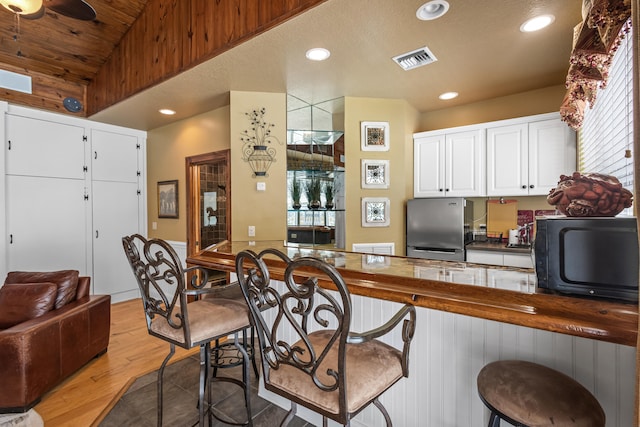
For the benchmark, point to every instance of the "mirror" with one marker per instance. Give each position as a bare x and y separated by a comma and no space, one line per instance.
315,173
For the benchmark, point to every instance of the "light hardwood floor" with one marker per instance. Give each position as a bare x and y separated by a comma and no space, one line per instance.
84,398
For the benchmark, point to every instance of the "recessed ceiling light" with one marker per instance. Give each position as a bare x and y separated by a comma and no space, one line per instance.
448,95
537,23
432,10
167,112
318,54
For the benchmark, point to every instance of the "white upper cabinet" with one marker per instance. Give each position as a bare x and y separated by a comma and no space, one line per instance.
449,164
465,160
37,147
114,156
552,152
527,158
428,166
508,160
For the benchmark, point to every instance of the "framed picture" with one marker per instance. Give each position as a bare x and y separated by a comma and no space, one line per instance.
375,173
168,199
375,212
374,136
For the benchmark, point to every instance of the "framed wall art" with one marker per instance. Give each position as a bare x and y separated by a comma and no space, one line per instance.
374,136
375,173
168,199
375,212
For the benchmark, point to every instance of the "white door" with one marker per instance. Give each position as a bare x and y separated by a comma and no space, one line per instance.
115,215
47,224
43,148
508,161
429,166
465,164
114,156
552,152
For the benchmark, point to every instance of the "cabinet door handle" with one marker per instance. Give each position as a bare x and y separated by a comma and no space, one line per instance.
531,186
95,155
441,189
446,189
96,234
524,187
11,239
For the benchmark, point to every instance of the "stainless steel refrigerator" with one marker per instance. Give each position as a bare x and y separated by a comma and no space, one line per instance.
436,227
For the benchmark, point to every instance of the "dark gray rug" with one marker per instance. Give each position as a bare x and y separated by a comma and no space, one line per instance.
137,407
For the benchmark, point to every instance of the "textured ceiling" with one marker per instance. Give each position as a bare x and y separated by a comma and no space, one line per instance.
481,54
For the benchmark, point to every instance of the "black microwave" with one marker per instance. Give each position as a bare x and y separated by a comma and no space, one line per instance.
588,256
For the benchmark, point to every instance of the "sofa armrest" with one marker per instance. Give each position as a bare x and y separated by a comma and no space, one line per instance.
84,287
37,354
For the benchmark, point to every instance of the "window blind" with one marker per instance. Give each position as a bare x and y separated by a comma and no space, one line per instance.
607,130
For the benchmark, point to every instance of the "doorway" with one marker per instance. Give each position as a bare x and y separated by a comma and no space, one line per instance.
208,200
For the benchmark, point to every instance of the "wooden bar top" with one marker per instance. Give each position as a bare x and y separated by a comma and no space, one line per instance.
502,294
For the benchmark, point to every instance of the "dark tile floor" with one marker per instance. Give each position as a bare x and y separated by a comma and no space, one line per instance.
137,407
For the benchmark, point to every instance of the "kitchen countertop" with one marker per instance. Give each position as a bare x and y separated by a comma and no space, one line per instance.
496,247
503,294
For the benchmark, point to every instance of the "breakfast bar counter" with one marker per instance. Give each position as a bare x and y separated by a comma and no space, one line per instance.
468,315
501,294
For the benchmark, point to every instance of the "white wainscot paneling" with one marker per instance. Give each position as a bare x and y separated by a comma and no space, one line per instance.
449,350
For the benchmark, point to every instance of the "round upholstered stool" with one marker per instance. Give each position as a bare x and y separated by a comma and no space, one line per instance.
530,395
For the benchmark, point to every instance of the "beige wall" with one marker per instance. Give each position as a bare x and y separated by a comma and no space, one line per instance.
545,100
221,129
167,148
266,210
402,120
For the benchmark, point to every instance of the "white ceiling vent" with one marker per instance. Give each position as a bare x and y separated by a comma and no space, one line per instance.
415,59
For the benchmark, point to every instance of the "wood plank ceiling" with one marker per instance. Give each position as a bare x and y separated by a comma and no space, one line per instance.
130,46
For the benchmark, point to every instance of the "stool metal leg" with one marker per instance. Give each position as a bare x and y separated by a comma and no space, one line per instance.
494,420
205,361
245,374
172,350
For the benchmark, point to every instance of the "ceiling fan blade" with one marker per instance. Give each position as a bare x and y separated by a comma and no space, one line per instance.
36,15
77,9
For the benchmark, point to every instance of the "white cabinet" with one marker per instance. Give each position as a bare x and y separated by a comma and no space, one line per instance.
552,152
527,156
508,259
114,156
512,281
508,160
35,147
449,164
74,188
46,223
111,221
515,157
115,172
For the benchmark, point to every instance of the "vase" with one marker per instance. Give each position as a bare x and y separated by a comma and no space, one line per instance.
296,205
314,205
329,205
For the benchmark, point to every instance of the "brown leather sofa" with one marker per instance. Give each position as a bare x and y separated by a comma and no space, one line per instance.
65,333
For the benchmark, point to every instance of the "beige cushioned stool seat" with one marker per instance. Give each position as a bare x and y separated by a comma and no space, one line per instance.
535,395
373,367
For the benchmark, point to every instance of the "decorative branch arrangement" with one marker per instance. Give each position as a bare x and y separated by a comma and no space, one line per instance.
255,148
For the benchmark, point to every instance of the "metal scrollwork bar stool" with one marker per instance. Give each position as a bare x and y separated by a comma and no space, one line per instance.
173,318
309,354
